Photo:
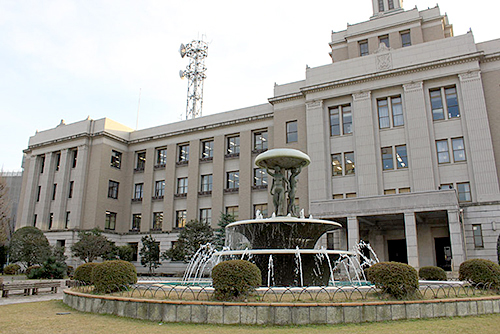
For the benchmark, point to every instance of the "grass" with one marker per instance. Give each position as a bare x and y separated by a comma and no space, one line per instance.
42,317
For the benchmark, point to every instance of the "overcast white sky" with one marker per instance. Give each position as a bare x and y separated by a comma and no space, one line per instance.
71,59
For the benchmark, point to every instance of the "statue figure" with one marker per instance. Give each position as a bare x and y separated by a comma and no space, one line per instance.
292,181
278,189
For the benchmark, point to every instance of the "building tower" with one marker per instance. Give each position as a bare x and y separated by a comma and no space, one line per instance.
381,7
195,73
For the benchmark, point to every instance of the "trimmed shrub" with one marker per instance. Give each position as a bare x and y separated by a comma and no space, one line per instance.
30,271
397,279
432,273
112,276
11,269
235,279
83,273
480,271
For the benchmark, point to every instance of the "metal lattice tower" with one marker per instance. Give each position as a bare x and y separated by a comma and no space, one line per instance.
195,73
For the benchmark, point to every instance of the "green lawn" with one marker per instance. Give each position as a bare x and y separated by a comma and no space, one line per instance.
42,318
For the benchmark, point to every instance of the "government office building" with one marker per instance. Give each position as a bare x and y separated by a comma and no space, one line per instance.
402,128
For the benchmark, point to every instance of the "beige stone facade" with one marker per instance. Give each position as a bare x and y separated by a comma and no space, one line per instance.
401,127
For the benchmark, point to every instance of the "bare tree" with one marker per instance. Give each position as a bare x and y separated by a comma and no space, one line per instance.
5,231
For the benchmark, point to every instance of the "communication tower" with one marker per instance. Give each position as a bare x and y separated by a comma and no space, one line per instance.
195,73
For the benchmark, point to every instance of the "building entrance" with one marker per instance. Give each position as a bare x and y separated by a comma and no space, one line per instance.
397,250
443,253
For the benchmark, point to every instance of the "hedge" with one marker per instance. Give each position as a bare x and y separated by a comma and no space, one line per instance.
112,276
432,273
397,279
480,271
83,273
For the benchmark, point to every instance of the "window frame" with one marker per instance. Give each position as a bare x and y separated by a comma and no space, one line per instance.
458,150
384,39
157,223
233,143
393,109
207,149
180,218
206,183
477,236
71,188
233,180
403,163
206,216
116,159
161,157
230,210
447,97
464,196
441,152
138,191
363,48
159,189
403,34
136,222
385,158
340,118
113,187
182,153
260,141
292,131
259,181
182,186
110,221
259,207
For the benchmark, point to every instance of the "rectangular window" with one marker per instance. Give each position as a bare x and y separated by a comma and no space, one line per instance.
157,221
160,189
401,157
384,39
338,196
458,149
350,195
397,111
452,102
404,190
330,240
58,161
51,220
116,159
383,113
389,191
233,180
405,38
42,163
207,149
74,156
54,190
347,119
206,183
233,145
442,151
380,5
391,4
70,191
387,162
206,216
335,121
337,164
135,250
463,192
262,208
260,141
180,218
66,221
349,163
233,211
136,222
259,177
138,191
110,222
140,162
182,185
436,104
340,115
291,132
183,153
34,220
477,232
38,193
363,48
161,157
113,189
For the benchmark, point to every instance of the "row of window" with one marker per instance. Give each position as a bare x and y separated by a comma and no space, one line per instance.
57,160
405,41
232,183
54,191
444,105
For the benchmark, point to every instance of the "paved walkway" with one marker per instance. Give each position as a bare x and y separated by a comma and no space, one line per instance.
16,297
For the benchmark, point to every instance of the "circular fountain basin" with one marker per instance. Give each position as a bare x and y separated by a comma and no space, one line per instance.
282,157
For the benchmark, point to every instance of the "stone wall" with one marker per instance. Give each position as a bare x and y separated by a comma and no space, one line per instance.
278,313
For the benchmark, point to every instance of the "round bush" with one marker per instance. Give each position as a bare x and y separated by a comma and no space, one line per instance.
432,273
235,279
83,273
480,271
397,279
11,269
112,276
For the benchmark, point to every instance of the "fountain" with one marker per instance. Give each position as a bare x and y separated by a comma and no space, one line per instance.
283,246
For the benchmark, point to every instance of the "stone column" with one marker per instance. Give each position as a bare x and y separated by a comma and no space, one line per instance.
456,239
366,152
411,239
352,232
319,151
419,144
76,204
480,151
62,180
147,193
27,204
193,180
47,183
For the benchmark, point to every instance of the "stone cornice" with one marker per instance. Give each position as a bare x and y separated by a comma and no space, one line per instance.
159,136
476,56
491,57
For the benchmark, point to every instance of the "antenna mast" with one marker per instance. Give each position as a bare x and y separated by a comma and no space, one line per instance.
195,73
